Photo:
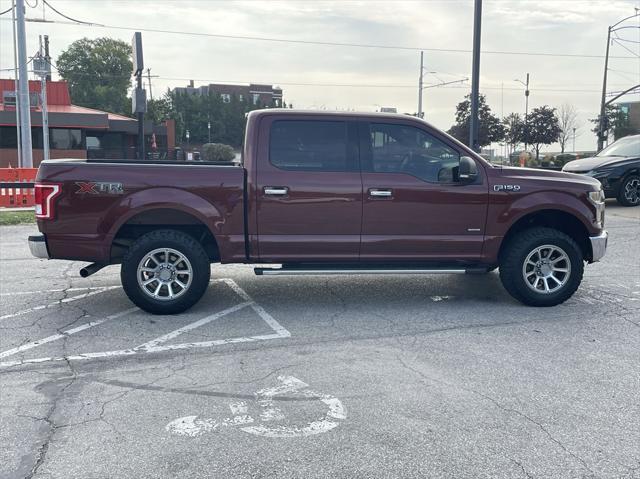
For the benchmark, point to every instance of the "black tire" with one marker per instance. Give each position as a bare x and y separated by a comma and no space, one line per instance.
627,198
176,241
517,251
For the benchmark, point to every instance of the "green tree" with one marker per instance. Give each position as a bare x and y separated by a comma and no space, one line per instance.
542,128
159,110
513,130
490,128
99,73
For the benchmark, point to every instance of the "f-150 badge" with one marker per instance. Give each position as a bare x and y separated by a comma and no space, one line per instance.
99,187
506,188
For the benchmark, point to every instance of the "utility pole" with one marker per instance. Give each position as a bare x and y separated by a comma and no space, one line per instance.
420,80
23,89
574,139
40,67
149,77
139,97
526,109
602,119
15,76
47,57
475,77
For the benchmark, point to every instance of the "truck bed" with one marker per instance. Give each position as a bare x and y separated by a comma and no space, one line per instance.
99,197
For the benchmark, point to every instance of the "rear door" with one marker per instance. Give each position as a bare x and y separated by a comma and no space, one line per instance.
309,189
415,207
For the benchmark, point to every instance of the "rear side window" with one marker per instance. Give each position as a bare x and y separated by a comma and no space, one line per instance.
309,145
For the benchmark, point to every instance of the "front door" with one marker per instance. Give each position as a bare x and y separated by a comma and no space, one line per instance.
415,206
309,190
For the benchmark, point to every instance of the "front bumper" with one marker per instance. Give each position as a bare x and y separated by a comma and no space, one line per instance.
38,246
598,246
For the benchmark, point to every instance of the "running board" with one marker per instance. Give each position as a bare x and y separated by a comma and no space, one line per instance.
336,271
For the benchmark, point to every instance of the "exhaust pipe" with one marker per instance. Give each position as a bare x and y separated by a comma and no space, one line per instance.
91,269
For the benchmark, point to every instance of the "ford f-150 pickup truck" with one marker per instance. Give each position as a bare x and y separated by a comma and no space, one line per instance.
322,193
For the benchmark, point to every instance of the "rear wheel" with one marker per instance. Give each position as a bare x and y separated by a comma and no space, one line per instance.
541,267
165,272
629,194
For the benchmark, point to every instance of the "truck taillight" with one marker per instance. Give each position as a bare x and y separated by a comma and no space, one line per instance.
45,194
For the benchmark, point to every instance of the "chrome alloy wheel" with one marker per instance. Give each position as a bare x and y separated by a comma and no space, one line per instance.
164,274
546,269
632,191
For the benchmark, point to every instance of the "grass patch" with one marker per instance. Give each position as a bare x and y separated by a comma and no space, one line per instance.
16,217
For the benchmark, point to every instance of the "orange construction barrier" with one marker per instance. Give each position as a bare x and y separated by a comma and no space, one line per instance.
13,196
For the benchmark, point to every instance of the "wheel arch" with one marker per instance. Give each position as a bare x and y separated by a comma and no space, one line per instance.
552,218
141,222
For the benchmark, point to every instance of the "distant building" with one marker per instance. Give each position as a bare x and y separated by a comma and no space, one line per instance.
75,131
632,111
255,94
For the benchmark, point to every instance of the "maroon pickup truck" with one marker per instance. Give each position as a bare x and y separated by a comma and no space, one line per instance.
322,193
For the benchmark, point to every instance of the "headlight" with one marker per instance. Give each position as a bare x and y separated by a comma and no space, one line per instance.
596,197
598,173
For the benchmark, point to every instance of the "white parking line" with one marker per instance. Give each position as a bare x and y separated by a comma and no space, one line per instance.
68,290
174,334
266,317
63,334
57,303
155,345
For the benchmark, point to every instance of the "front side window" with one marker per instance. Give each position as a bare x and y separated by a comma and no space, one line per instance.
309,145
406,149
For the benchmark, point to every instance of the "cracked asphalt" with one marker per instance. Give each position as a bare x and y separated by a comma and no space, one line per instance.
439,376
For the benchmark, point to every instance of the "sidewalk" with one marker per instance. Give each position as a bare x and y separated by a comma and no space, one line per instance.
24,208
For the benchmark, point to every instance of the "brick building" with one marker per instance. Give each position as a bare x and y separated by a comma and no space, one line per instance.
75,131
267,95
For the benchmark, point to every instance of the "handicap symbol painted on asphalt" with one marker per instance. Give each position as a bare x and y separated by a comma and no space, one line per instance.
267,423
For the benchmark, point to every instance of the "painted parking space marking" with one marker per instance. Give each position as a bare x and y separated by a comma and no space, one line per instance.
59,290
201,322
64,334
270,421
157,344
58,303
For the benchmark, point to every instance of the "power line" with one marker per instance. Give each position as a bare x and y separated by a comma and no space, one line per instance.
6,11
625,47
65,16
316,42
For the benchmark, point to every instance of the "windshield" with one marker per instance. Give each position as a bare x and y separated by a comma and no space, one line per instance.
628,146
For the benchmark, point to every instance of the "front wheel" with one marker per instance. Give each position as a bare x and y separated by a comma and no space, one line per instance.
629,194
165,272
541,267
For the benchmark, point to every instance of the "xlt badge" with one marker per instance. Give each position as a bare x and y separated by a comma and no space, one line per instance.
99,187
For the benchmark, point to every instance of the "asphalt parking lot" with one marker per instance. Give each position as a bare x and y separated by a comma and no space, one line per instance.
359,376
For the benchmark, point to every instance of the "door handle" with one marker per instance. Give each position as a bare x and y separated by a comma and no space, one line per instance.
380,193
276,190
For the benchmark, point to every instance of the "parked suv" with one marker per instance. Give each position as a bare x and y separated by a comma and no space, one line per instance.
617,167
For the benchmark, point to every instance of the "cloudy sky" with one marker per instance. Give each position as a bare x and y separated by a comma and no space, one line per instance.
572,34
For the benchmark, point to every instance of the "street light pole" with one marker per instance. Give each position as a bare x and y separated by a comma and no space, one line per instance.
574,139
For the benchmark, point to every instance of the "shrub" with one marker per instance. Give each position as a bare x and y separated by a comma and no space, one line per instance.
217,152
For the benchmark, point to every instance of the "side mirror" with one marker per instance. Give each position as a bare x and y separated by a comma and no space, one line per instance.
468,171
